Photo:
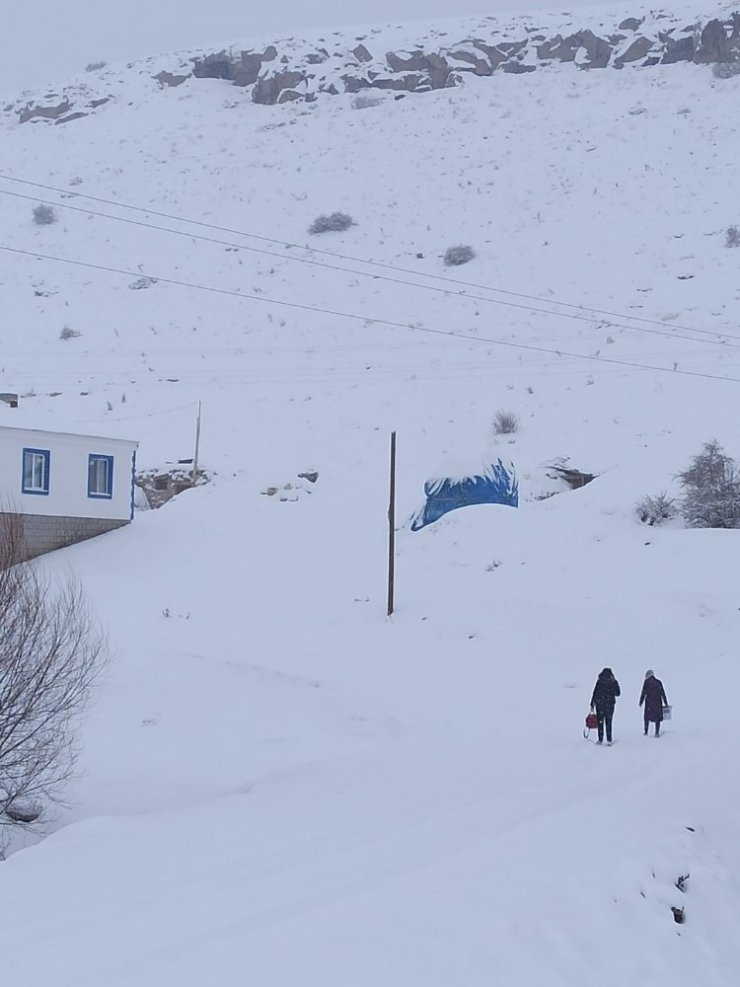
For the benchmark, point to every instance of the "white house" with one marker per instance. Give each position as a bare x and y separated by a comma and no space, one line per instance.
67,487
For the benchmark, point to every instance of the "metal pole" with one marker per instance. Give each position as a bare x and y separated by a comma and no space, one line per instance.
194,475
392,528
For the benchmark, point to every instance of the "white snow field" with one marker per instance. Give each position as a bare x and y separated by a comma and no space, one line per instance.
279,786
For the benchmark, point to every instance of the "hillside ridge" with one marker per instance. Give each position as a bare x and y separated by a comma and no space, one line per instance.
302,70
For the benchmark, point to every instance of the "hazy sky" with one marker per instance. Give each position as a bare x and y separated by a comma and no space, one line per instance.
47,41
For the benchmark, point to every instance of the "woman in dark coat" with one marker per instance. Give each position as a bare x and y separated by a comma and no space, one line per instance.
603,701
653,695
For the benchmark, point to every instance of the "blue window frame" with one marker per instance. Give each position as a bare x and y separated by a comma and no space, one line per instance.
35,479
100,476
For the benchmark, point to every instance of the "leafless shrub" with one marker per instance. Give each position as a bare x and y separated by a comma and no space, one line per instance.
711,490
69,333
366,99
95,66
656,510
732,236
505,423
50,650
726,70
455,256
44,215
336,222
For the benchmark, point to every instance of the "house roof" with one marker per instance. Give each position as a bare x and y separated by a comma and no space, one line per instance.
70,435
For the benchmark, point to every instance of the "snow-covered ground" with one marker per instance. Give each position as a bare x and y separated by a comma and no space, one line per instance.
280,785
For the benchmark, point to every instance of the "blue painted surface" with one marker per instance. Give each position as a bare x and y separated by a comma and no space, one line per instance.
106,494
496,484
26,461
133,483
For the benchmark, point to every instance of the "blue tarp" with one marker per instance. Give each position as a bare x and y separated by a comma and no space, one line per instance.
494,484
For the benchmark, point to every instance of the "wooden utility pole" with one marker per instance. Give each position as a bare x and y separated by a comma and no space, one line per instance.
392,528
194,475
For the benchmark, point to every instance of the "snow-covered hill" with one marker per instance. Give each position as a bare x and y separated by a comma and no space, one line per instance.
281,786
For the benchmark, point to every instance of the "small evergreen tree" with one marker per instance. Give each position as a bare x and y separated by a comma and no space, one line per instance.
711,490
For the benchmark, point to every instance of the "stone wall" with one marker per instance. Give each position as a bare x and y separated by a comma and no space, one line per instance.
46,534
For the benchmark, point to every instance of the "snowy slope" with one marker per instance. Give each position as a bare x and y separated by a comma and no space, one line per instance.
280,785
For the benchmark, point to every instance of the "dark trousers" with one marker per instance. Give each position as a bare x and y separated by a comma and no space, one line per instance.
647,724
604,717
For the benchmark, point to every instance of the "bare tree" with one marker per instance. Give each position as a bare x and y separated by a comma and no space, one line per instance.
50,650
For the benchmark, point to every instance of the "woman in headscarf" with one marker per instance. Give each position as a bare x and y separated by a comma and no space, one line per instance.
654,697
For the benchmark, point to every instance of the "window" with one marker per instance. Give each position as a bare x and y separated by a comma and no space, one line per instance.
100,476
35,471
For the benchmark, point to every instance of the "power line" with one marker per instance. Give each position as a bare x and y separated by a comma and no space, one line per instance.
722,336
449,333
150,414
720,341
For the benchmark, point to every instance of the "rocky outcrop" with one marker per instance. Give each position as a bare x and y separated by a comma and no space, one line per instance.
631,24
295,71
56,112
637,51
170,79
243,69
715,45
77,115
361,54
681,50
52,112
278,88
636,42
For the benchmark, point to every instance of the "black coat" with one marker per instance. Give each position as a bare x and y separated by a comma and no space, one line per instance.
605,692
653,695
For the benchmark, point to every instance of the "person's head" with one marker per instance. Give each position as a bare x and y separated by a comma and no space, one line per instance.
606,673
649,674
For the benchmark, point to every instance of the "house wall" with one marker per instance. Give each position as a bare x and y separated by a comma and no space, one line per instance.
68,475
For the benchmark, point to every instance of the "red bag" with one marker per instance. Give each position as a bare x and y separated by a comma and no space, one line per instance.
592,721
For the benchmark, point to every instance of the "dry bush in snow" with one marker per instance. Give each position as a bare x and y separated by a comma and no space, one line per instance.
732,236
656,510
505,423
366,99
725,70
44,215
336,222
455,256
50,651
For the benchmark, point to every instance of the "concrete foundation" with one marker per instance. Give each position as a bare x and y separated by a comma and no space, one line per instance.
46,534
